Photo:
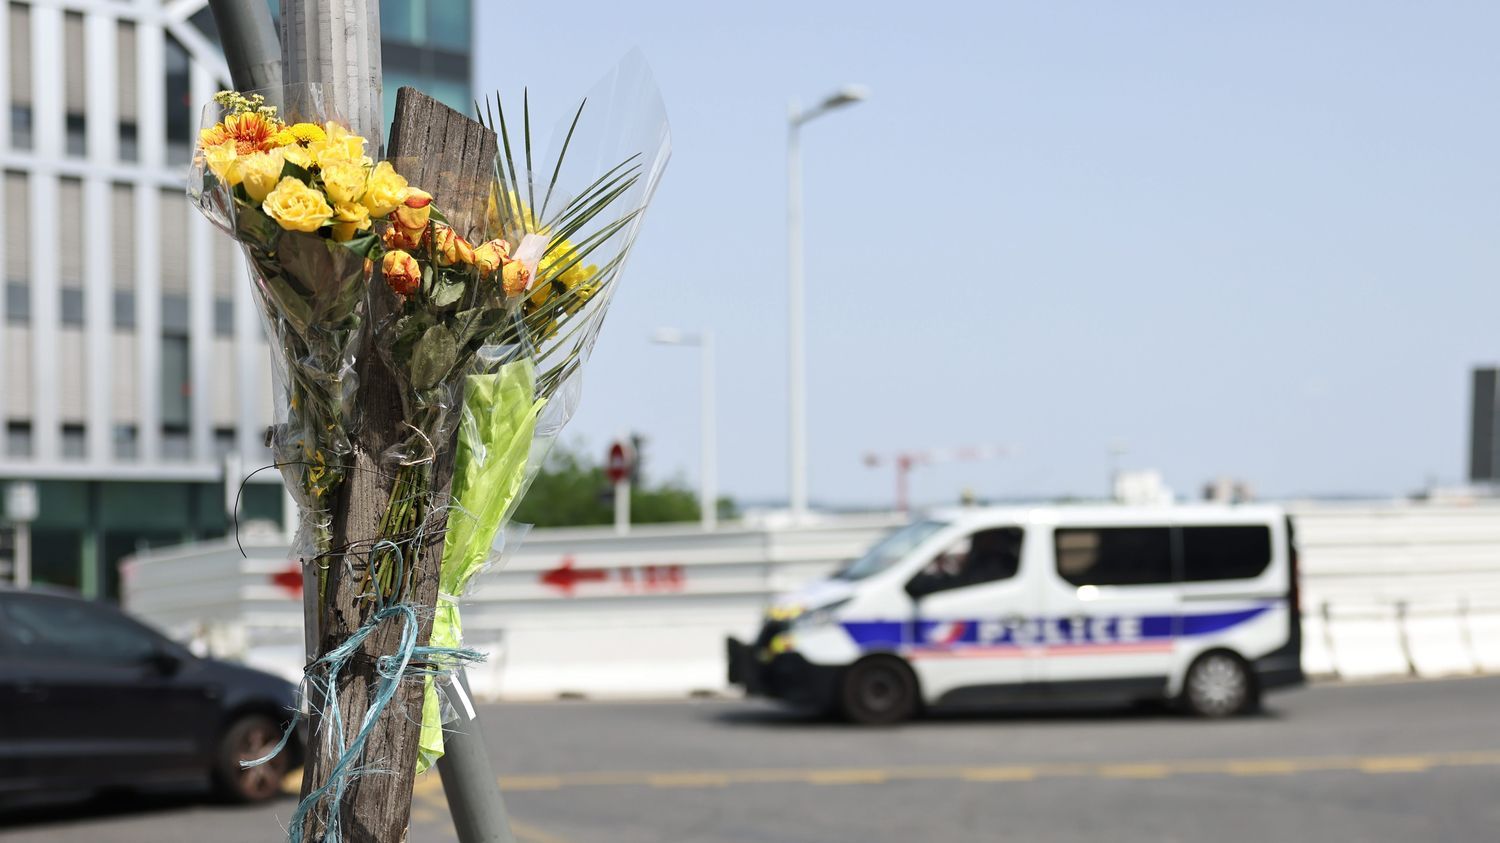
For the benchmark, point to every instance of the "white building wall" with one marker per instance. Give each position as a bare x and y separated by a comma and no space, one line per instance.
97,235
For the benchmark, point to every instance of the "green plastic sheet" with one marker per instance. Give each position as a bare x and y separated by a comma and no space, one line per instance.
494,440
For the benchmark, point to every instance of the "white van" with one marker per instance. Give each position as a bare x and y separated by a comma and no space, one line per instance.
975,607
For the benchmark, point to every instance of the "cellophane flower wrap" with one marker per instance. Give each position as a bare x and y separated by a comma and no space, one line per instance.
487,338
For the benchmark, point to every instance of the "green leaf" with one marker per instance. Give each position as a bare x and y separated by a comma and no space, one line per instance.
433,357
290,169
446,292
365,245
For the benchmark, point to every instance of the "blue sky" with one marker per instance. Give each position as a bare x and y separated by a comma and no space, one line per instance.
1255,239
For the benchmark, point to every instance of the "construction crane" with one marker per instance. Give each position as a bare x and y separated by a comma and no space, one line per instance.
905,461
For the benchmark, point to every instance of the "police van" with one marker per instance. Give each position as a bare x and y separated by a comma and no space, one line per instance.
1194,604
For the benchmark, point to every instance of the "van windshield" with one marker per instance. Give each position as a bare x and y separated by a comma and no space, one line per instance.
889,550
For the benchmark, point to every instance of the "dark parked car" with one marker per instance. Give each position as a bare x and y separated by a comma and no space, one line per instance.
91,699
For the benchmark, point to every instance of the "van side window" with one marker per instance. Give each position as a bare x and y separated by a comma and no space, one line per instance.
986,556
1114,555
1225,553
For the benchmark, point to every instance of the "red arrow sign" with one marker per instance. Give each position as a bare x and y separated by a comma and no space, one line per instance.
564,577
290,580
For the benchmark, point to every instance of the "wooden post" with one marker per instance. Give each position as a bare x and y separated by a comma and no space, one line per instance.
450,156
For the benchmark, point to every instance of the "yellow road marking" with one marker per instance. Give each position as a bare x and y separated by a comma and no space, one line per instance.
1144,770
688,780
998,774
1134,771
847,776
1395,764
531,782
1262,767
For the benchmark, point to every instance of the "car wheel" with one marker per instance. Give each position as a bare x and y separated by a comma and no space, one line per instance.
879,692
249,738
1218,685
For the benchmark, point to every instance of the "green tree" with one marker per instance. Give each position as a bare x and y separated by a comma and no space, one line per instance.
572,491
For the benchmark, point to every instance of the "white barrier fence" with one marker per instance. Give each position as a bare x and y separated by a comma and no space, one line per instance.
1391,589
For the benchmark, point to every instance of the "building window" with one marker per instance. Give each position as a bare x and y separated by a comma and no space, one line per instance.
18,302
224,317
223,442
130,149
126,446
77,129
72,305
20,126
18,439
175,444
176,384
181,124
449,25
125,309
74,445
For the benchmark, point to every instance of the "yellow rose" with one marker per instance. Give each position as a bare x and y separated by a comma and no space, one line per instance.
349,218
260,171
487,256
385,191
339,145
344,182
223,160
402,272
297,207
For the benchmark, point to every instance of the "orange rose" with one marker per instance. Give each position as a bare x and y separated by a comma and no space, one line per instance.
487,256
450,248
515,277
414,212
402,272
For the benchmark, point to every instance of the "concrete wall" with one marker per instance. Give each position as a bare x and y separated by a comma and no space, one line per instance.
1387,590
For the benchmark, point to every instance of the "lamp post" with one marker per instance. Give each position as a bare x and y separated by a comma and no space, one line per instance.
796,359
708,493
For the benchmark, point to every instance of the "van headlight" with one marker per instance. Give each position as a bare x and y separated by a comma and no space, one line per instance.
821,616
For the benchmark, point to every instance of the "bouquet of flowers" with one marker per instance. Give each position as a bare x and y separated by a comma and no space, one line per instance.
466,326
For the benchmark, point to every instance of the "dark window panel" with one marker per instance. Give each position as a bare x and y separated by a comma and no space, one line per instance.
1114,555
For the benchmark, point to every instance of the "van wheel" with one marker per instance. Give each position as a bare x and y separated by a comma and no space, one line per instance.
879,692
1218,684
248,738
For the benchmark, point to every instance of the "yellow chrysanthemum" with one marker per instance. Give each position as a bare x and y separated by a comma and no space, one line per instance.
302,134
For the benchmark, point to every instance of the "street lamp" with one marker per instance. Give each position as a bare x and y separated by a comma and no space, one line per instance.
708,494
796,362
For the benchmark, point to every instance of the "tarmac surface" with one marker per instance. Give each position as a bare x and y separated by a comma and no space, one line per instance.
1397,761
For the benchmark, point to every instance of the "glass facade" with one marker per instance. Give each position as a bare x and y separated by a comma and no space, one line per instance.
427,44
133,382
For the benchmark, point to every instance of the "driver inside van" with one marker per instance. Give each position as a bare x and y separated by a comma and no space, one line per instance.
986,556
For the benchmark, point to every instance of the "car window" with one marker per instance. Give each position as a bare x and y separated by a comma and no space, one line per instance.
1114,555
75,631
1225,553
889,550
983,557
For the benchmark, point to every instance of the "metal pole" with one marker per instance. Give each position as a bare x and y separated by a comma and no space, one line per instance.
469,781
796,364
251,47
708,492
22,573
622,507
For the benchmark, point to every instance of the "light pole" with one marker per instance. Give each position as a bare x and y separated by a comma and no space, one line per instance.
708,493
796,360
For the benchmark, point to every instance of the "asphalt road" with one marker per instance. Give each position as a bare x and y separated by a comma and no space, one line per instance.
1402,761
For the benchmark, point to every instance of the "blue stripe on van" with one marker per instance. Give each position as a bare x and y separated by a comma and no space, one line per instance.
871,635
